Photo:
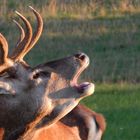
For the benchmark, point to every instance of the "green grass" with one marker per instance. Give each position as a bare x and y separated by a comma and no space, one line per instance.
120,104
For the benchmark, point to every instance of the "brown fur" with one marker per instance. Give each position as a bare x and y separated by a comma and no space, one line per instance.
98,117
73,126
80,117
1,133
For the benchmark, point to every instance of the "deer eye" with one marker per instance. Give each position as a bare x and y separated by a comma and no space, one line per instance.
41,74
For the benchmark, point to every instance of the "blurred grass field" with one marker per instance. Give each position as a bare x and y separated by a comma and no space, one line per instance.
109,32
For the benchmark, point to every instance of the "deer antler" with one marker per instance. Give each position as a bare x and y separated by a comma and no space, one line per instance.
25,43
22,35
4,60
29,41
18,53
4,49
38,31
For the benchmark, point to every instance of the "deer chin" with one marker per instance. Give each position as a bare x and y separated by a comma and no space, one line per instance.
85,88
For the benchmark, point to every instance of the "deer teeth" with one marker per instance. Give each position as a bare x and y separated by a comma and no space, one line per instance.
87,88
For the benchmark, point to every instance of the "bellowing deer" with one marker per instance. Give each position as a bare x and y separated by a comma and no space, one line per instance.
41,103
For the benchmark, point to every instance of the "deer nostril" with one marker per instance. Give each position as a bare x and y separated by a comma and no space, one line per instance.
81,56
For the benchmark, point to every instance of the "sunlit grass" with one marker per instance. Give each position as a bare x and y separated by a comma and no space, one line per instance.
77,9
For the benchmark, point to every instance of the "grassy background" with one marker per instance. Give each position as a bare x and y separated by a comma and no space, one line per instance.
108,31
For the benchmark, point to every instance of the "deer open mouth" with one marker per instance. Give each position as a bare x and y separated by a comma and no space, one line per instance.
86,88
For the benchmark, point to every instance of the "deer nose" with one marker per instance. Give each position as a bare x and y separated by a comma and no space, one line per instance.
82,57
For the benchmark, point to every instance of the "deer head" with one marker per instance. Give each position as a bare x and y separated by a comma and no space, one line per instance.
50,90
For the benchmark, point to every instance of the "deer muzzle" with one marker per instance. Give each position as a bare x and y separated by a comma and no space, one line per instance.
84,88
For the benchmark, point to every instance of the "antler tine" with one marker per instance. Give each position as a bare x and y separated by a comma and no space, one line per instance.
38,31
22,35
19,54
4,49
5,62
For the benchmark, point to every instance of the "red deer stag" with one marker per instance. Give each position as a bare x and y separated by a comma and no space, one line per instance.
35,102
